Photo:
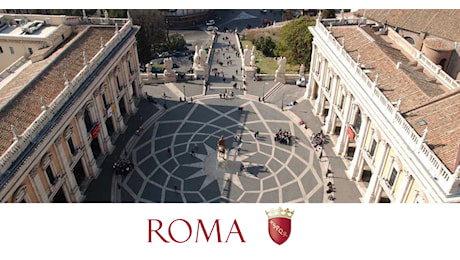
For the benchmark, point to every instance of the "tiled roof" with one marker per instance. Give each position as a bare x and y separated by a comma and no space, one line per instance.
443,122
26,107
414,88
439,22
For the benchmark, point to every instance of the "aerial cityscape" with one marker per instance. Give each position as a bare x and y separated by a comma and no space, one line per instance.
230,106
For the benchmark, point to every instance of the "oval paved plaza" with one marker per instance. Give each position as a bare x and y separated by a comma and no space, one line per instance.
273,172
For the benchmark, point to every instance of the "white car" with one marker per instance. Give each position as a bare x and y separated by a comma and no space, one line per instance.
210,23
301,82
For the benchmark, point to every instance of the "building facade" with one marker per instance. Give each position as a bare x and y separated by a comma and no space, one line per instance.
391,112
61,113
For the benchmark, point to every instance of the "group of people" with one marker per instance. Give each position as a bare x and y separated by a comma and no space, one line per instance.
122,166
226,94
283,137
317,140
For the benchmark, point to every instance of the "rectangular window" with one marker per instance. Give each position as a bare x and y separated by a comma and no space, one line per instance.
118,83
71,146
30,51
341,101
329,84
11,50
49,173
373,148
104,99
393,175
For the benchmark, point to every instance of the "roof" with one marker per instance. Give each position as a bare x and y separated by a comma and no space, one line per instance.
26,107
420,95
439,22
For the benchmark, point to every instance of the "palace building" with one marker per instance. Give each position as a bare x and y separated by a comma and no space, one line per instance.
389,94
67,88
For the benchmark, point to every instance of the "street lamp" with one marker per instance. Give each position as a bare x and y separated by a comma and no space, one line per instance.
263,92
282,101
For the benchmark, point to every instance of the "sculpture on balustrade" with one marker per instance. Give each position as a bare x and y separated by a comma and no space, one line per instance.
281,65
280,74
202,57
168,63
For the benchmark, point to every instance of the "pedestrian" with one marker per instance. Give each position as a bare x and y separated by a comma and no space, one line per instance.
236,72
220,95
256,134
165,107
192,153
180,99
164,94
320,154
169,151
175,188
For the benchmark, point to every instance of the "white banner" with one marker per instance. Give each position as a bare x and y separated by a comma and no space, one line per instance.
318,231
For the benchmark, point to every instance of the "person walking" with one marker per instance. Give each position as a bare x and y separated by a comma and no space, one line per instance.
256,134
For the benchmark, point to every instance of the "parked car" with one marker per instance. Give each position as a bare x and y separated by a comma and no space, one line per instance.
210,23
157,70
301,82
164,55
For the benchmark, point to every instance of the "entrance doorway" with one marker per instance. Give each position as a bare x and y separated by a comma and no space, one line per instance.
95,148
59,197
79,173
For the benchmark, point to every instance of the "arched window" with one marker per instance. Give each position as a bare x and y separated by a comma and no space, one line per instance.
88,122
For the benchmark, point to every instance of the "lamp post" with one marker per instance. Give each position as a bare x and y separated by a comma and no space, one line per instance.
282,101
185,95
263,92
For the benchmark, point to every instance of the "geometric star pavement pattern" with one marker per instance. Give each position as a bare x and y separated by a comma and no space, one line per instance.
274,172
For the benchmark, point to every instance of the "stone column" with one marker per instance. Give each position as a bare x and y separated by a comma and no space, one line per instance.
38,186
355,170
319,103
70,182
341,140
105,137
129,91
120,125
404,187
90,162
374,182
311,79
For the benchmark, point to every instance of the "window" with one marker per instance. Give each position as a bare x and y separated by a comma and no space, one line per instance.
393,175
130,68
30,51
319,67
49,173
329,83
88,122
104,99
118,83
341,101
11,50
373,148
71,146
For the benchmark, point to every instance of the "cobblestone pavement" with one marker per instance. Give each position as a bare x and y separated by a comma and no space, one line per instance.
166,171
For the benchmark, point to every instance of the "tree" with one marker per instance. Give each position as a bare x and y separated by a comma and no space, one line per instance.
152,34
328,13
295,41
266,45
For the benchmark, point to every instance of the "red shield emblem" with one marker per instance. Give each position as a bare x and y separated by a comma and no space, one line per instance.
279,224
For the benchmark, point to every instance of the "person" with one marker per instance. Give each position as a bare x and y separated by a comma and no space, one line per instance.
192,153
256,133
169,151
180,99
165,107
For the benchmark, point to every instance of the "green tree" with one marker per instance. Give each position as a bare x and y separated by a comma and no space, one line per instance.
295,41
328,13
152,34
266,45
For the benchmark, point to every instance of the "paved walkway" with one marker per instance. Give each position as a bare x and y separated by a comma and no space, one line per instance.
165,171
273,172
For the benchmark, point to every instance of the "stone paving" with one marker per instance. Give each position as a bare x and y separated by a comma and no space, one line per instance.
273,172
